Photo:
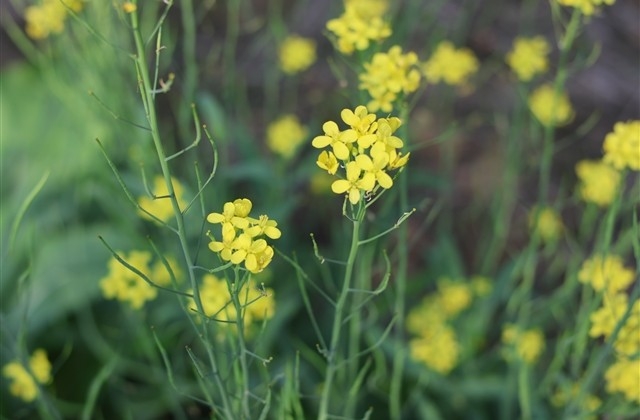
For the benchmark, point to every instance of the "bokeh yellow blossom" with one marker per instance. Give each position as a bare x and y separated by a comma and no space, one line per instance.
526,345
606,273
622,377
547,223
587,7
550,108
605,319
437,347
285,135
296,54
358,26
450,65
48,17
622,146
22,382
129,7
160,204
599,182
389,75
589,403
454,296
528,57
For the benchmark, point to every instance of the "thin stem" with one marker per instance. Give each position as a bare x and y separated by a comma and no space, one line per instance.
242,345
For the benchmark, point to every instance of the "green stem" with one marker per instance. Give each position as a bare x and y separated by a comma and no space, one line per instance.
146,93
323,413
242,345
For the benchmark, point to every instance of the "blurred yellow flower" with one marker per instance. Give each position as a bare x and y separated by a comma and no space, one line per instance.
126,286
622,146
550,108
606,273
129,7
23,384
606,318
450,65
526,345
437,347
528,57
547,222
160,205
599,182
368,8
48,17
285,135
622,377
296,54
389,75
454,297
587,7
358,26
589,403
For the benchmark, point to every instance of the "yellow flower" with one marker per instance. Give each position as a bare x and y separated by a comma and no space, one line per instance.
328,162
23,384
599,182
622,146
48,17
368,8
355,29
338,140
354,185
526,345
129,7
285,135
160,204
547,222
590,403
387,76
528,57
437,348
588,7
454,297
450,65
297,54
622,377
126,286
606,272
550,108
607,317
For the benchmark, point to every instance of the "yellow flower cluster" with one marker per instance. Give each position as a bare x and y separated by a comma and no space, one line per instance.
160,205
599,182
48,17
525,345
590,403
622,146
285,135
296,54
550,108
450,65
388,75
622,377
606,273
547,223
588,7
367,151
528,57
126,286
24,382
361,23
436,344
257,303
241,236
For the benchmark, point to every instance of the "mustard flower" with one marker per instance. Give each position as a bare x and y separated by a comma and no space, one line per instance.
590,403
526,345
297,54
357,27
368,8
387,76
547,223
338,140
437,347
241,236
450,65
622,377
587,7
328,162
606,318
285,135
48,17
354,184
454,297
129,7
428,312
606,273
550,108
622,146
126,286
599,182
24,382
528,57
160,205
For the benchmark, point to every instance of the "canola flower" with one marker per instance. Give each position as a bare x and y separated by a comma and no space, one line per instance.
525,345
23,382
48,17
454,296
387,76
547,223
599,182
241,237
160,205
126,286
367,150
622,377
437,347
528,57
285,135
606,273
550,108
453,66
258,303
296,54
587,7
605,319
359,26
622,146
